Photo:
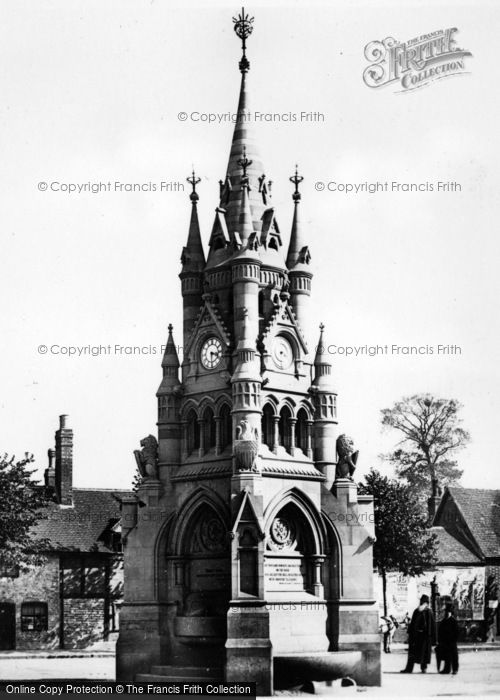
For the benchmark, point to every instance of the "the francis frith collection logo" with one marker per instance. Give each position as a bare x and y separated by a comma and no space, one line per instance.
414,63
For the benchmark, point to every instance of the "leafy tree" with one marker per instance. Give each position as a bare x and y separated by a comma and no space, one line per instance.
403,540
21,508
432,433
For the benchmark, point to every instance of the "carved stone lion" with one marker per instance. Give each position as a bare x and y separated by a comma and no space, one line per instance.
147,458
347,458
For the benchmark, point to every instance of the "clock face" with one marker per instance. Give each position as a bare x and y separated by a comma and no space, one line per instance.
282,353
211,353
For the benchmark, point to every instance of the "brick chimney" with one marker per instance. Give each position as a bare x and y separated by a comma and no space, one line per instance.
50,473
64,463
434,501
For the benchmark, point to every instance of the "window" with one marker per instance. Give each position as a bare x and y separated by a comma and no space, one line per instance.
285,432
301,430
209,427
226,427
34,617
268,426
193,432
9,571
84,577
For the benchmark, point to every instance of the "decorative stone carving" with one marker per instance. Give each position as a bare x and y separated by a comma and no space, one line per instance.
282,533
147,458
347,458
212,534
246,447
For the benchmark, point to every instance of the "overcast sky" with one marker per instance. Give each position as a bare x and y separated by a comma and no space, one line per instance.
91,92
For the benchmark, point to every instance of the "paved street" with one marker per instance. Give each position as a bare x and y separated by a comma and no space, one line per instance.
83,668
479,675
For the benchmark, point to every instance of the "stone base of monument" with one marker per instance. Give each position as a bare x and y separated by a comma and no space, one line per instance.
291,670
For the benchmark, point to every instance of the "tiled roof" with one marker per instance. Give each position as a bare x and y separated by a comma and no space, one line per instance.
81,527
481,510
450,550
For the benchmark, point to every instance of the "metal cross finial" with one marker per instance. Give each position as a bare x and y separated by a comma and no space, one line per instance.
170,328
322,327
243,28
193,181
296,180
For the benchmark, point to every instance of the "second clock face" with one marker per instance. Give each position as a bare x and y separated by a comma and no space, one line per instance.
282,353
211,353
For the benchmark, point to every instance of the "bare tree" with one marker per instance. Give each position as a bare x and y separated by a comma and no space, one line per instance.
431,434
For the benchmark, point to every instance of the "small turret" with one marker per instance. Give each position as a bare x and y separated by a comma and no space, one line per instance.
325,418
193,264
168,394
297,260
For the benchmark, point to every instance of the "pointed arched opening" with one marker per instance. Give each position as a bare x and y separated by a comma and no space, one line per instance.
192,432
285,428
302,431
268,426
209,430
226,427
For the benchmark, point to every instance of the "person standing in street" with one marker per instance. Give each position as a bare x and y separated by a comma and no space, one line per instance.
447,640
421,637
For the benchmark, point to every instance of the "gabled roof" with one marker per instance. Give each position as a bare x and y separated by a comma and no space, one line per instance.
450,550
481,511
84,526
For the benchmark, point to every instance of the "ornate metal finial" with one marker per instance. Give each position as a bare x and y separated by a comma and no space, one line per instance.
296,180
170,328
245,163
193,181
243,28
322,327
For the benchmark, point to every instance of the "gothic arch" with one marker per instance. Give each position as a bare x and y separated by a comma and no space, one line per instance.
289,403
220,401
188,510
225,425
206,402
306,508
190,405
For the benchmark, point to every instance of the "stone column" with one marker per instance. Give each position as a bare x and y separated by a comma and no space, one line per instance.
201,429
292,422
276,434
309,427
218,448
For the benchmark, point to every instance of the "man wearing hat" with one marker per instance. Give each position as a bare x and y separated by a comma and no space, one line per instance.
421,637
448,638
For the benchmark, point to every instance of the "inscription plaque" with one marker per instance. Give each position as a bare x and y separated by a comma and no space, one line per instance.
209,574
285,574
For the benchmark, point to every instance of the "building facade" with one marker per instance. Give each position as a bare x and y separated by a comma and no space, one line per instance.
248,542
71,600
466,524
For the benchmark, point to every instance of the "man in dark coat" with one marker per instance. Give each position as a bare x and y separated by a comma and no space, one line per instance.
421,637
447,641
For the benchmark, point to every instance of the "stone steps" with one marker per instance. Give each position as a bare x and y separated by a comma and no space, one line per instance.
180,674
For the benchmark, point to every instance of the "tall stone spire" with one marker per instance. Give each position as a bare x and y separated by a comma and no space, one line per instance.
297,244
193,264
243,141
193,257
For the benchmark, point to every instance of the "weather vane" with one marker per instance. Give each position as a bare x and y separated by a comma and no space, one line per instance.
193,181
243,28
296,179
